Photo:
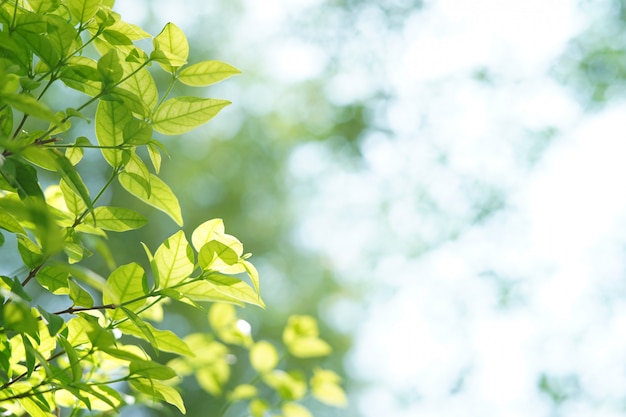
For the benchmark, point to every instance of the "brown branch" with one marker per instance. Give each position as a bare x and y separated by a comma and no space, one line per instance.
33,272
72,310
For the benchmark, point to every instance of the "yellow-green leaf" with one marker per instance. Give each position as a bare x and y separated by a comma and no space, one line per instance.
206,73
174,260
295,410
83,10
160,197
325,387
111,117
172,43
126,285
118,219
181,114
263,357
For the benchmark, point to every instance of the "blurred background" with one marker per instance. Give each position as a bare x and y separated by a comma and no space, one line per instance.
440,182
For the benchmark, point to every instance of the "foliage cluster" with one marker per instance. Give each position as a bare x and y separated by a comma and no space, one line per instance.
103,349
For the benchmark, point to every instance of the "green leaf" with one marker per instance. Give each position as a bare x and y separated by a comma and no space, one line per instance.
111,117
98,336
161,196
83,10
138,171
42,6
143,327
126,285
167,340
54,279
206,232
259,407
110,68
143,86
160,391
72,179
29,105
35,408
6,122
79,295
31,253
151,369
72,357
291,386
234,288
243,392
9,223
75,153
325,387
174,260
116,38
137,132
263,357
133,102
81,74
301,338
295,410
181,114
53,321
18,317
206,73
155,156
171,48
75,204
118,219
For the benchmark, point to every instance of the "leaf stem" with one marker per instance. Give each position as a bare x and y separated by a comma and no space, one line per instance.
72,310
33,272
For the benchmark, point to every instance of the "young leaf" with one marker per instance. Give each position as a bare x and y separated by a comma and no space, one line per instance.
29,105
291,386
138,171
155,156
75,153
111,117
151,369
143,328
174,260
206,232
72,179
301,336
167,340
110,68
160,391
235,288
171,47
54,279
206,73
161,196
9,223
72,357
143,86
325,387
118,219
263,357
79,295
83,10
181,114
126,285
292,409
75,204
